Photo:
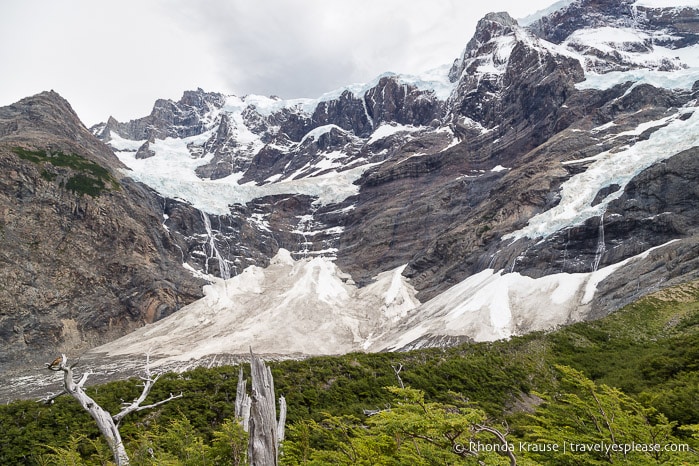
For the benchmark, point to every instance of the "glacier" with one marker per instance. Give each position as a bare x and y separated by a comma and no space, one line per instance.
296,308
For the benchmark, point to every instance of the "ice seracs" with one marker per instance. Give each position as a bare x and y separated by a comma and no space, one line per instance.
309,306
613,168
305,306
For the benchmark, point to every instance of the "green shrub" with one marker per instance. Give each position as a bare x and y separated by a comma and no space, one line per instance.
82,176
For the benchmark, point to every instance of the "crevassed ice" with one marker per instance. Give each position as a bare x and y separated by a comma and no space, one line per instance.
607,169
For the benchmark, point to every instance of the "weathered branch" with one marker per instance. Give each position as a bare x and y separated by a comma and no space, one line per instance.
374,412
242,401
106,423
397,372
48,399
134,407
501,438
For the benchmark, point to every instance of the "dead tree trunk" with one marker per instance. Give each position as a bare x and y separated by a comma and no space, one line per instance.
265,433
107,424
242,401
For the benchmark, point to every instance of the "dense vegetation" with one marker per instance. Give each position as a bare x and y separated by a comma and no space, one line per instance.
86,177
628,379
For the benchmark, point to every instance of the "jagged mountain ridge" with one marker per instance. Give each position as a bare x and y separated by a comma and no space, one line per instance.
461,180
447,188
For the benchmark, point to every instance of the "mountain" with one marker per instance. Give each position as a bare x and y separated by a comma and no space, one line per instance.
84,255
547,176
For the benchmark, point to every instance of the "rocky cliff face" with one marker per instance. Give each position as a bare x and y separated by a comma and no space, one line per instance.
84,255
544,161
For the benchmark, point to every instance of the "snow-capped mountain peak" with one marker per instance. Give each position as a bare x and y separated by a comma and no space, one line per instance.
548,160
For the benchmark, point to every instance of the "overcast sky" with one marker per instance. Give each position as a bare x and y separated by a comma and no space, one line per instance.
116,58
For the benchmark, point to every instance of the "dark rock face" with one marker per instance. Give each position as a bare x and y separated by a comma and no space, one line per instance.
656,207
390,101
168,119
508,86
492,25
77,269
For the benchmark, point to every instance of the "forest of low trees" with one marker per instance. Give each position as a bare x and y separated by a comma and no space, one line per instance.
621,390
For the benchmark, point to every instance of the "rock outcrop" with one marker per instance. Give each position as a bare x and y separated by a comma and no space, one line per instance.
85,257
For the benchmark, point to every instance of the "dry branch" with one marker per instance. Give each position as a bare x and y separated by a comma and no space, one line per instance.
107,424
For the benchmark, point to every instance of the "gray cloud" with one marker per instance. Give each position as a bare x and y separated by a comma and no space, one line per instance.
117,58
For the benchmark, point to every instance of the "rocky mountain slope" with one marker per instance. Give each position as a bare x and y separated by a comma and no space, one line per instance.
84,255
547,176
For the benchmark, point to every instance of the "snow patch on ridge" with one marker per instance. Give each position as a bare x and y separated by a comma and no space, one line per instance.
386,130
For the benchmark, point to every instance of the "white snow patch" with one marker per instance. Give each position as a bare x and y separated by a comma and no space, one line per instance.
171,172
667,3
493,305
387,129
607,38
603,127
319,131
119,143
631,44
677,79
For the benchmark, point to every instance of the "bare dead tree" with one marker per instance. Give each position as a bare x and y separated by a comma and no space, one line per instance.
242,401
265,432
396,370
107,424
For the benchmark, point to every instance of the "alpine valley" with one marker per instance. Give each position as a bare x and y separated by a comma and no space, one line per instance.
547,176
